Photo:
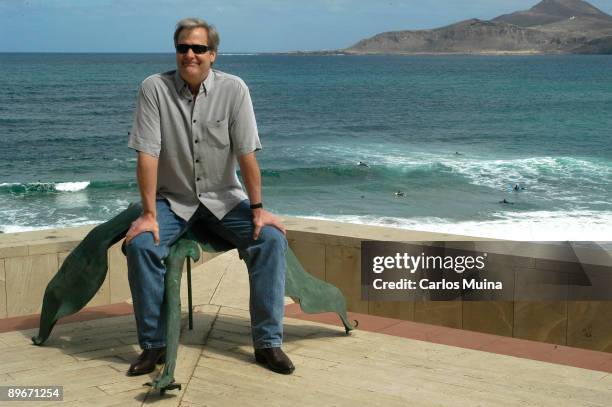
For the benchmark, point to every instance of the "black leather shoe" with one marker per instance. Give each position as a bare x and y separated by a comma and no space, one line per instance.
275,359
146,361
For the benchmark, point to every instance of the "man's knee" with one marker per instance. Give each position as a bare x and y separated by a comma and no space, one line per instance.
273,237
140,244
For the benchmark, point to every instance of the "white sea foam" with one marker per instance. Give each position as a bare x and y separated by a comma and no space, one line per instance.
518,226
69,224
71,186
553,178
495,173
49,186
499,173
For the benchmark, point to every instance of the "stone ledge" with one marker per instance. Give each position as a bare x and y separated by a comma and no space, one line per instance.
315,231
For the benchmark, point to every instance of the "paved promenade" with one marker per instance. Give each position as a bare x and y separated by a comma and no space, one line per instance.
216,367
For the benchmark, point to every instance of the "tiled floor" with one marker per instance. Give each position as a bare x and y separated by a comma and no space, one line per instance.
551,353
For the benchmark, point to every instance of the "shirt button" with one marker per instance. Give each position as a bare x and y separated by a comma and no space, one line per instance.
196,141
195,121
197,179
197,160
200,195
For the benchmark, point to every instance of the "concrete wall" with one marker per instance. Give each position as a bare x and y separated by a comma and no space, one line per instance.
29,260
330,251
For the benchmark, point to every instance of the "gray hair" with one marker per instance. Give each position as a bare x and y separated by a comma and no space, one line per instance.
192,23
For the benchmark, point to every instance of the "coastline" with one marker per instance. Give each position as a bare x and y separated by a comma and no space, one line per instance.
531,229
461,53
534,228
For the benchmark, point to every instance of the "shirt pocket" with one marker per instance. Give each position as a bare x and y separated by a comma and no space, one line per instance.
218,133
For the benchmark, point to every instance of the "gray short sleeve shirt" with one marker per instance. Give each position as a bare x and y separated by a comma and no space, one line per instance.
197,143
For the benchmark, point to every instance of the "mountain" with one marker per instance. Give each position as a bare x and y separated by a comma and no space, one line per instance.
465,37
596,46
551,26
551,11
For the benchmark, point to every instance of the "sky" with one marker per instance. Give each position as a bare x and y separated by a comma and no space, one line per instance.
244,25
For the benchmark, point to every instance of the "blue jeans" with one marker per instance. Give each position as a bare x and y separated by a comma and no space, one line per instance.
264,258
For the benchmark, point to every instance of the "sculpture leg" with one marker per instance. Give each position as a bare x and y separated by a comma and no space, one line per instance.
146,272
82,273
312,294
172,308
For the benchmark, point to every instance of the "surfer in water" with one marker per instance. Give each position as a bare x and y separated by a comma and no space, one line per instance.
399,194
505,201
363,164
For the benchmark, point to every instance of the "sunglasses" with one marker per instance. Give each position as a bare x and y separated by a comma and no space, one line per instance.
196,48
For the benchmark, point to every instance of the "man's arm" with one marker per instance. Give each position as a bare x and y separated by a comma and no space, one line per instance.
249,168
146,173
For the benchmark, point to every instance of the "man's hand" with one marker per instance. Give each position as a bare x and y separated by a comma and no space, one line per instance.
261,217
145,223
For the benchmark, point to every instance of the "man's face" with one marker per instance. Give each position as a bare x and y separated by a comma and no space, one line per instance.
194,67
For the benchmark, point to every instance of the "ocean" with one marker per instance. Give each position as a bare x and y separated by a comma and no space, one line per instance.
453,133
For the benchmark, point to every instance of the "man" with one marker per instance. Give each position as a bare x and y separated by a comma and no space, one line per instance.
190,128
